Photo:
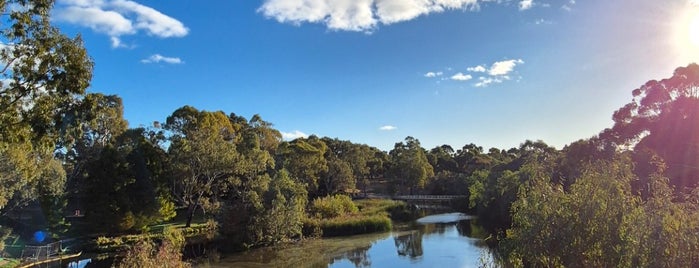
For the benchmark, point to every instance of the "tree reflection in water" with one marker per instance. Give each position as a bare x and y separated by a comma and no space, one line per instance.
359,257
409,245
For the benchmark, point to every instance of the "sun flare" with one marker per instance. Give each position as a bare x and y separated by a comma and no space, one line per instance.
686,34
693,31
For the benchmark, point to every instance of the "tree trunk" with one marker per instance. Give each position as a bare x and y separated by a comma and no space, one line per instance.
190,214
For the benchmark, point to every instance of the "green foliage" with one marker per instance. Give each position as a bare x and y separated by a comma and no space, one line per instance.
372,215
355,225
599,222
203,156
333,206
409,165
662,118
148,254
270,214
4,234
283,212
9,263
372,207
125,186
167,209
304,160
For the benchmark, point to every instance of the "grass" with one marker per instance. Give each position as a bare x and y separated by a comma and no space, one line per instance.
373,215
8,263
353,225
200,226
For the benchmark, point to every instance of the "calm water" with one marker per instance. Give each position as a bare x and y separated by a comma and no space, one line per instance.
443,240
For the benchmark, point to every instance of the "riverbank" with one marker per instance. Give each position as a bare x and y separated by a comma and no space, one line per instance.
449,240
8,263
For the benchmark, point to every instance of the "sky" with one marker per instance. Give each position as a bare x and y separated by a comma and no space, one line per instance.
493,73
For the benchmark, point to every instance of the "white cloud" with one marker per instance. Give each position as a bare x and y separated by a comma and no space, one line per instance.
461,77
151,20
433,74
485,81
525,4
157,58
476,69
504,67
116,43
542,21
293,135
103,21
117,18
569,5
387,128
357,15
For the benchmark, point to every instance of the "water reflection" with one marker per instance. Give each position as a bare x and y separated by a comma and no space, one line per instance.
409,244
359,257
447,240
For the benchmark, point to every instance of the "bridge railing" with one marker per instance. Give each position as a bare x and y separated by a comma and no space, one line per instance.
428,197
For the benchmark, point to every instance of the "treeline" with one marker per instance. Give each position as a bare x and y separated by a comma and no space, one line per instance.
627,197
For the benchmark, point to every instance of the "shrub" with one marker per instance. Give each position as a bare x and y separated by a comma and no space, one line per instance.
333,206
311,228
146,253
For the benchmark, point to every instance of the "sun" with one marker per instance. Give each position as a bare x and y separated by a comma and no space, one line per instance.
693,31
686,34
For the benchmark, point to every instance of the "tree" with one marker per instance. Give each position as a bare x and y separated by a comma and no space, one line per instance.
442,159
41,71
337,179
126,185
409,165
268,137
663,117
583,227
283,210
203,156
305,161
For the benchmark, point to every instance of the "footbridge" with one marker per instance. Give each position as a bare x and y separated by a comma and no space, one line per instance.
423,200
419,198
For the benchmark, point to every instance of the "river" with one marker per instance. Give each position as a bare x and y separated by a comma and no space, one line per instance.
442,240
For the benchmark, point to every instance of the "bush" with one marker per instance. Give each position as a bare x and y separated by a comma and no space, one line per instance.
333,206
146,253
311,228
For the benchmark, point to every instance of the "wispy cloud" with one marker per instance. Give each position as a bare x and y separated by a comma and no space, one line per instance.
387,128
477,69
293,135
485,81
542,21
433,74
117,18
461,77
157,58
498,72
525,4
358,15
568,6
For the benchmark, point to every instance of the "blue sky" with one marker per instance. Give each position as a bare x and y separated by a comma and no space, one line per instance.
494,73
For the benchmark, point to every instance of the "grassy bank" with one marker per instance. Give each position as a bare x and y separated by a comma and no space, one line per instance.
117,243
370,215
8,263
